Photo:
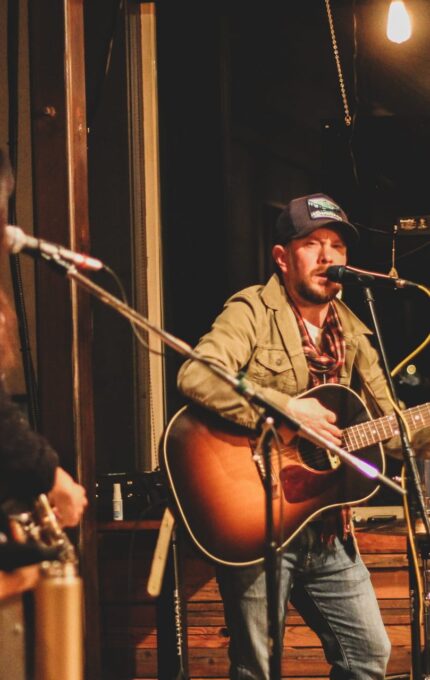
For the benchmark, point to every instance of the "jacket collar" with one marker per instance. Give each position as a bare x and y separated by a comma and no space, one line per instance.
274,297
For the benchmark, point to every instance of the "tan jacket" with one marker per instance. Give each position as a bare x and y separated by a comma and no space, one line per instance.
257,332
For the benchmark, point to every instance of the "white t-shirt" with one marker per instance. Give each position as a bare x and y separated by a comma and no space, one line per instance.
315,332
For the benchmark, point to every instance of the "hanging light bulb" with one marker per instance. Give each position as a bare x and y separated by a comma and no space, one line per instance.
399,24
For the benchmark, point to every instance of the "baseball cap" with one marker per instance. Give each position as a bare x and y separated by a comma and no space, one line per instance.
305,214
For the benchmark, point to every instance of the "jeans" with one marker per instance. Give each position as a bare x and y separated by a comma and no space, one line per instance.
330,586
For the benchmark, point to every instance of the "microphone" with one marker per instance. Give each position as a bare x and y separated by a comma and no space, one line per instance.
361,277
18,241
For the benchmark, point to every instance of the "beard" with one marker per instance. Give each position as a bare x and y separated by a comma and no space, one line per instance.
315,296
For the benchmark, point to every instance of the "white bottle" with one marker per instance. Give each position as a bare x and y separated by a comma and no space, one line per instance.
118,514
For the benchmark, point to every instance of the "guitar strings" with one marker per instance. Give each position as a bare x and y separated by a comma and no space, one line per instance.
359,436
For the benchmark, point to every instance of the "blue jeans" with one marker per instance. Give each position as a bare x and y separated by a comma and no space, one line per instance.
330,587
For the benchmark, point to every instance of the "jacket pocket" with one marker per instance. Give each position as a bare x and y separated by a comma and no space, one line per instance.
272,367
273,360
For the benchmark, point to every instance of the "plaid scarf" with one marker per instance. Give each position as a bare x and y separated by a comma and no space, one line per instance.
324,363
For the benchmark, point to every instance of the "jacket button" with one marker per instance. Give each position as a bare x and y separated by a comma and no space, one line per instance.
278,362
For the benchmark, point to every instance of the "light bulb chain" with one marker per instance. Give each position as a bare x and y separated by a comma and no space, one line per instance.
348,117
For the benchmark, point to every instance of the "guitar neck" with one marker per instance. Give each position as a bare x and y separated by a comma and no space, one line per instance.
371,432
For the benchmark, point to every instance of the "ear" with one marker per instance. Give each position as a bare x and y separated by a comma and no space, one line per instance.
279,254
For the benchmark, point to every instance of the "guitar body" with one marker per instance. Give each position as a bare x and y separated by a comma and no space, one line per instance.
218,487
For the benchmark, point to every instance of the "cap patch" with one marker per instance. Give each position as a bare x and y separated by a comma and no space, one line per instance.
323,207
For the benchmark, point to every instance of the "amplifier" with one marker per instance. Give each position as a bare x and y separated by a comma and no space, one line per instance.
375,514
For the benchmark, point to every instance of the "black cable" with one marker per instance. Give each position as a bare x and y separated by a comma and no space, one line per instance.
12,80
134,328
383,232
13,113
411,252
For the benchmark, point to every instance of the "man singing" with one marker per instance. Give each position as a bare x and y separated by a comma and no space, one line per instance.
290,335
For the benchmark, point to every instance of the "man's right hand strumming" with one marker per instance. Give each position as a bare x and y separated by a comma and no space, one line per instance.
311,413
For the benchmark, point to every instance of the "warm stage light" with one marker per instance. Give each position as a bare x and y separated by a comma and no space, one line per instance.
399,24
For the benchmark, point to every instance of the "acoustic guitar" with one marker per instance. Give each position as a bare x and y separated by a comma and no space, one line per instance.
217,482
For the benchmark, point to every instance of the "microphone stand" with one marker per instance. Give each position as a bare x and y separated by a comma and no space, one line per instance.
272,415
271,556
243,388
416,499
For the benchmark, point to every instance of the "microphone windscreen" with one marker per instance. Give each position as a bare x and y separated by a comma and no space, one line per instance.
335,273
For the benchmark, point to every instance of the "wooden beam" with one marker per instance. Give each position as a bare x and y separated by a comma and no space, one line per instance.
63,314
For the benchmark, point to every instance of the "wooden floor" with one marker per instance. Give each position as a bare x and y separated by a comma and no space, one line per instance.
129,615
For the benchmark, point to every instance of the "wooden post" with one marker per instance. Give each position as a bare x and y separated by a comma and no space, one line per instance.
59,138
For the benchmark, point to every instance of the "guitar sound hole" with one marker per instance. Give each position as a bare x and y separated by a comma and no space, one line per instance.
314,456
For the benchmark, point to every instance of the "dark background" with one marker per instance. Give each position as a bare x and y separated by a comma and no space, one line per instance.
251,116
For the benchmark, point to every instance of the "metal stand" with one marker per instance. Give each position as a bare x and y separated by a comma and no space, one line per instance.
165,583
424,545
425,556
271,557
417,505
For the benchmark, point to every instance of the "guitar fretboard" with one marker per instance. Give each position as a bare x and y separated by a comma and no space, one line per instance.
365,434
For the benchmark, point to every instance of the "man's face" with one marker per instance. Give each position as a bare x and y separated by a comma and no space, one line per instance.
304,262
